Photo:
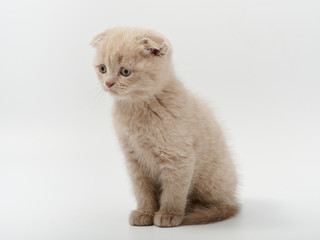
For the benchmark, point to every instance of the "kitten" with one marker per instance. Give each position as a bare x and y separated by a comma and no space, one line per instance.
176,154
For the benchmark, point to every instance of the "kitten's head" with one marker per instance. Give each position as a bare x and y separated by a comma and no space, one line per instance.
132,63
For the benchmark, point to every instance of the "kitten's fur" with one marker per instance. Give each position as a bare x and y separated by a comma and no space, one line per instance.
177,157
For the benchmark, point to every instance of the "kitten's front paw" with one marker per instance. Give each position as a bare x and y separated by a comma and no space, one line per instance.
141,218
163,219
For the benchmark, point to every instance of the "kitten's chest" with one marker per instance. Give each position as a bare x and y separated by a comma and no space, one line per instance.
142,133
140,127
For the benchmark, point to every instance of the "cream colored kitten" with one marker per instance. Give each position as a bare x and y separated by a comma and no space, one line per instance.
177,157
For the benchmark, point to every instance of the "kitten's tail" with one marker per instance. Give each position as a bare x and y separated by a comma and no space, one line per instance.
207,213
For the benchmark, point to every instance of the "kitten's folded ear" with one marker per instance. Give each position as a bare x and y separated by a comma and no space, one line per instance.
152,48
97,39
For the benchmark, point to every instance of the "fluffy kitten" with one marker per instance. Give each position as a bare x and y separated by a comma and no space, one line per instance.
177,157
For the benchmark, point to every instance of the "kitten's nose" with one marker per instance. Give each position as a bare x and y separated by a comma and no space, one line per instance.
109,84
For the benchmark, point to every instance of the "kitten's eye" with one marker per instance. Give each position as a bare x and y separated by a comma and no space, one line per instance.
125,72
103,68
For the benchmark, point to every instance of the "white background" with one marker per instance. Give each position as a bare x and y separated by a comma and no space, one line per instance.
62,174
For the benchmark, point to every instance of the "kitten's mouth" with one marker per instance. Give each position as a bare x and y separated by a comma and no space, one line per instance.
112,90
